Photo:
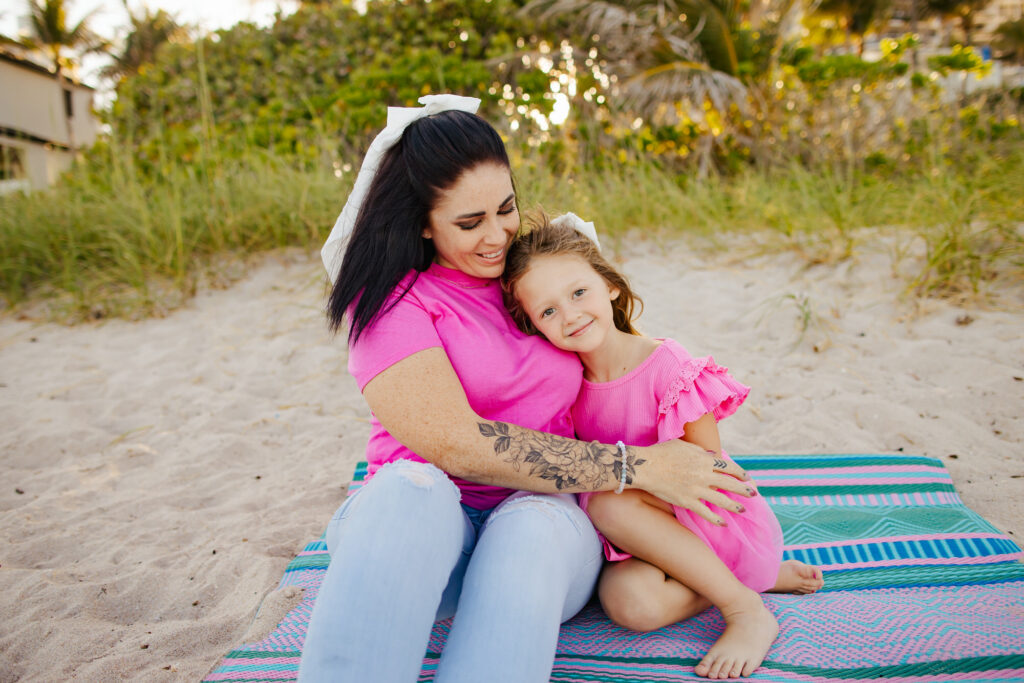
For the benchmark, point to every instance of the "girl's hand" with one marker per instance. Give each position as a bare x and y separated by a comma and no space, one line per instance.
687,475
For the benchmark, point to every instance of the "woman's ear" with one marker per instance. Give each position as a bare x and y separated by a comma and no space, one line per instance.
613,294
425,234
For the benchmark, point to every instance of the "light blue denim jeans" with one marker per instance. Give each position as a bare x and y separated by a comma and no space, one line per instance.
405,553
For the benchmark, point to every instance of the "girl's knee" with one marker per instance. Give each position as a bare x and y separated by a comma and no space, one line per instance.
642,617
630,603
611,511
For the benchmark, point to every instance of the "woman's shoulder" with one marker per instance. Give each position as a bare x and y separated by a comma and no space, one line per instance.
414,287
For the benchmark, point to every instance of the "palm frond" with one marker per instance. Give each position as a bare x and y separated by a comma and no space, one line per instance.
686,82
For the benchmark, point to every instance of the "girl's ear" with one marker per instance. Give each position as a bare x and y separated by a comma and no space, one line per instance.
613,294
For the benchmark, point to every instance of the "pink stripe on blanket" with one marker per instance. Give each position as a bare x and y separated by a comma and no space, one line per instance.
768,673
846,481
249,674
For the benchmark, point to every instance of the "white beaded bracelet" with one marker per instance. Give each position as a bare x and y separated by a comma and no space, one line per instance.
622,474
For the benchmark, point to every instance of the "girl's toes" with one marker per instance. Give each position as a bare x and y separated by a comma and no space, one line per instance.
732,670
723,668
703,667
711,666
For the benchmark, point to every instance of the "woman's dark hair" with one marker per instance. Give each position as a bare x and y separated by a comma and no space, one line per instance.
387,240
541,238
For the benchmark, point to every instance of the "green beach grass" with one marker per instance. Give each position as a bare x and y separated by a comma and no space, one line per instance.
111,240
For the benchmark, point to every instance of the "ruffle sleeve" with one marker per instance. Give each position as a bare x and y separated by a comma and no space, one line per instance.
701,387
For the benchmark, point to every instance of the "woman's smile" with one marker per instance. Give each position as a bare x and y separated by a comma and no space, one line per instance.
474,222
499,254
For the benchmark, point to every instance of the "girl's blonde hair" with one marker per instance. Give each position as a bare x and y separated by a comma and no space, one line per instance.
543,239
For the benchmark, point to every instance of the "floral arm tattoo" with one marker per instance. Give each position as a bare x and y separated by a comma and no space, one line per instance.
570,464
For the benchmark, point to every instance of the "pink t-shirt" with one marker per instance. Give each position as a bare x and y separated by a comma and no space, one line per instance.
507,375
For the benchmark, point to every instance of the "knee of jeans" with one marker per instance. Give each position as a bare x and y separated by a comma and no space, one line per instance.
543,508
405,484
403,491
421,475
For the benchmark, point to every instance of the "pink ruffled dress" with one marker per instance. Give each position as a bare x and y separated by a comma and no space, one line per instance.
652,404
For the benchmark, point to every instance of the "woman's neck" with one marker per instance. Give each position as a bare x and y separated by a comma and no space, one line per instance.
620,353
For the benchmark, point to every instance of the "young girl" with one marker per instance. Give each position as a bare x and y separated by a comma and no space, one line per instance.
668,564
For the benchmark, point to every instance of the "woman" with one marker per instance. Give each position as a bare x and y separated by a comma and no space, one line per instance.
467,511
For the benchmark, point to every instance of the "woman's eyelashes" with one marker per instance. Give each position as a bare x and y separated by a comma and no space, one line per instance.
501,212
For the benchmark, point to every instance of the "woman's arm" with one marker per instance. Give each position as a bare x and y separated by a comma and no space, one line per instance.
420,401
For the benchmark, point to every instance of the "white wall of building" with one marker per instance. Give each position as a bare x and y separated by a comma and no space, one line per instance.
32,120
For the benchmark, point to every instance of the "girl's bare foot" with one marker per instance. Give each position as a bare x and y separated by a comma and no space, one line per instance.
749,633
797,577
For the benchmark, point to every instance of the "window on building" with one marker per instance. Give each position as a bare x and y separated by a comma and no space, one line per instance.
12,165
69,104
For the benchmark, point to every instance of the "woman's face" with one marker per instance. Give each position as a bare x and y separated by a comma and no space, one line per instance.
474,221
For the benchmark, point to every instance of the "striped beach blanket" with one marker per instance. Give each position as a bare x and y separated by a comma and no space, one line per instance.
917,588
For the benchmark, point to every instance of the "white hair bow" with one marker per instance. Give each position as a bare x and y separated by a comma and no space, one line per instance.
571,220
399,119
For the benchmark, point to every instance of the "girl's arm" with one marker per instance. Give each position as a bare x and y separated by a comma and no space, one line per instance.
420,401
704,433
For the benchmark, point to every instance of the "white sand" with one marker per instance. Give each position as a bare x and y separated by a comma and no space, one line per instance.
157,477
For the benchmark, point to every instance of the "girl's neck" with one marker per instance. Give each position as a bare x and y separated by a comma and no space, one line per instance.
620,353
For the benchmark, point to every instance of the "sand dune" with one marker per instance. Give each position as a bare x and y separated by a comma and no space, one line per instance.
158,476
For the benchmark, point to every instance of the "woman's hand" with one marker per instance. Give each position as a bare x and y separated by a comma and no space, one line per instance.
687,475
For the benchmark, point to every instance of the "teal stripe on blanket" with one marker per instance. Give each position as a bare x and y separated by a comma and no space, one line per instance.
832,462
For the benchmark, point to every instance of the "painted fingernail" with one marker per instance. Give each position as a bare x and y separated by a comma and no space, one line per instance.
751,491
740,508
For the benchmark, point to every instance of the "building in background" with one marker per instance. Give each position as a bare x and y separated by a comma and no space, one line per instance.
935,33
35,145
994,14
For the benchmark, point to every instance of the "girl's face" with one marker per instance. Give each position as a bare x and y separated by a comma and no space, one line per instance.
567,301
474,221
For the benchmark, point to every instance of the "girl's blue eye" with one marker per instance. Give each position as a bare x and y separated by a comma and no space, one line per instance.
547,312
579,292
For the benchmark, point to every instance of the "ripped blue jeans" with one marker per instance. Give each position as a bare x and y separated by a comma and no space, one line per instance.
405,552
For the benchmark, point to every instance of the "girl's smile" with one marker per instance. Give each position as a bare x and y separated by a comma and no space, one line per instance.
567,301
